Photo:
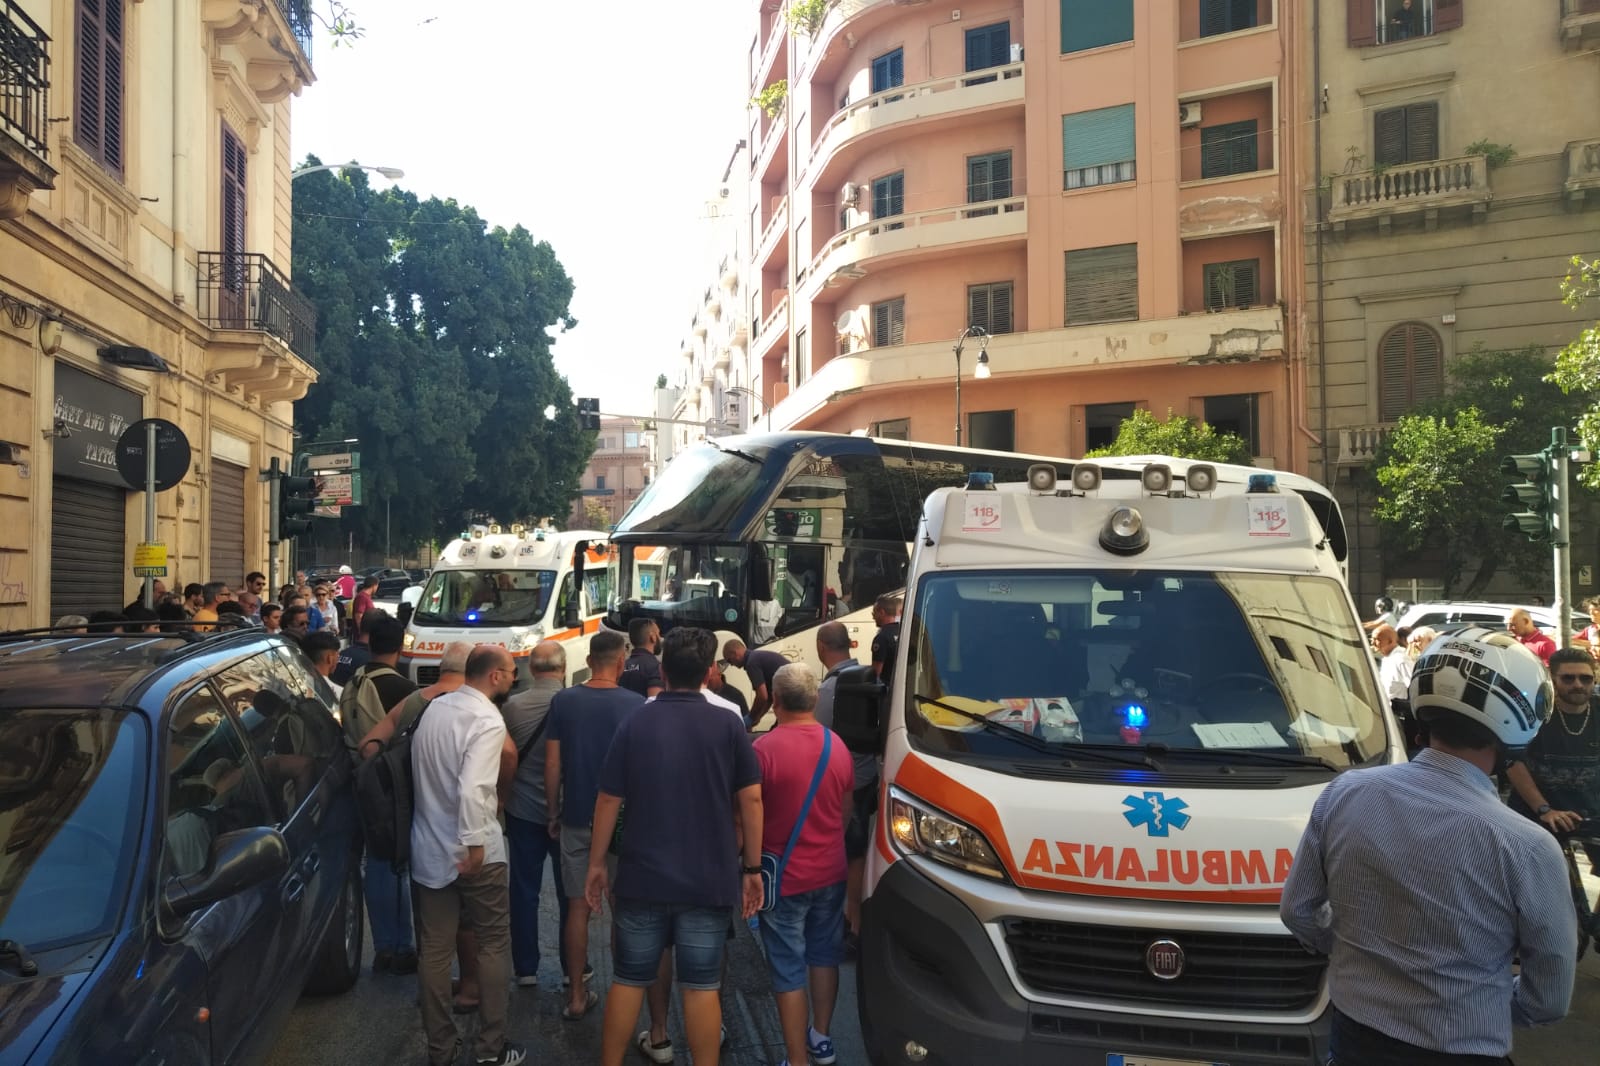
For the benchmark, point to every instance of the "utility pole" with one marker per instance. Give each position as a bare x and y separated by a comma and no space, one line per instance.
1561,531
274,474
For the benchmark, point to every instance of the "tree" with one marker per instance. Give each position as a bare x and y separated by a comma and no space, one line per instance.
433,349
1180,436
661,381
1577,371
1438,476
596,515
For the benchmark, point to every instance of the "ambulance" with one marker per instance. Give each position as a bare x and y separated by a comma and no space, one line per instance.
1114,703
514,588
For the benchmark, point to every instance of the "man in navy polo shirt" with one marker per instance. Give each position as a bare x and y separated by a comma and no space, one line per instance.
759,665
685,770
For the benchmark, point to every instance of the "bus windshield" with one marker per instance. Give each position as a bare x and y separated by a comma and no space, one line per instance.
703,488
485,597
1236,668
683,584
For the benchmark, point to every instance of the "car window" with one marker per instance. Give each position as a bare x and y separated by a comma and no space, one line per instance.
211,787
1493,617
289,729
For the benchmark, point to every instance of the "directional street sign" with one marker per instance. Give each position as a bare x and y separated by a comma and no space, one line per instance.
334,461
339,490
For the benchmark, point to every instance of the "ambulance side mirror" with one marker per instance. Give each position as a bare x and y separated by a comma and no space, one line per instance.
858,710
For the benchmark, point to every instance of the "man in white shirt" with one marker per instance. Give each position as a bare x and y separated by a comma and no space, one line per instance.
458,855
1391,662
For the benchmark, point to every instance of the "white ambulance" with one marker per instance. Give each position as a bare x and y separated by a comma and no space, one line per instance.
1113,706
513,588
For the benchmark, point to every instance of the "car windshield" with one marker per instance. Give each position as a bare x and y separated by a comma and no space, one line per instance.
72,797
485,597
1242,668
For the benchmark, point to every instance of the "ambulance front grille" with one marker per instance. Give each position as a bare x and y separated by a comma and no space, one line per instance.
1220,970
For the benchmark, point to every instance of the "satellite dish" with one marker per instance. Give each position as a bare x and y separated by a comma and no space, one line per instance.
846,324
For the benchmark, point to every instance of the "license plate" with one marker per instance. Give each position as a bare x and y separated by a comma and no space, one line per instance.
1114,1059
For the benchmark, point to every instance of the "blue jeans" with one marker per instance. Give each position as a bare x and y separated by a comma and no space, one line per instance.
644,930
388,906
531,846
804,930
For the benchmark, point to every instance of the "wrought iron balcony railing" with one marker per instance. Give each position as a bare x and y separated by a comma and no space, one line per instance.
24,77
244,290
301,22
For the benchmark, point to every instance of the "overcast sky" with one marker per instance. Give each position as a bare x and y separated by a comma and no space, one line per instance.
601,128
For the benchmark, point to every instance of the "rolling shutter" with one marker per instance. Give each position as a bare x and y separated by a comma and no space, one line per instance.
1410,369
1095,138
87,541
1102,284
1448,15
227,523
1362,22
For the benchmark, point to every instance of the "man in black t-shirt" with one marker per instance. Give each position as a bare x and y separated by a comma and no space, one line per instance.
886,612
759,665
641,672
1557,780
717,685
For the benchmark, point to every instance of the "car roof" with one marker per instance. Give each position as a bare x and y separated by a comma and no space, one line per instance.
60,669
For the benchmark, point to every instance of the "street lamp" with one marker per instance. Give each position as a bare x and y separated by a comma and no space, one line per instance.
981,372
392,173
740,390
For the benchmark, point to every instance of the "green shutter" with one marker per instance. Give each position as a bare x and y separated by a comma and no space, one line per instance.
1094,138
1228,149
1095,23
1102,284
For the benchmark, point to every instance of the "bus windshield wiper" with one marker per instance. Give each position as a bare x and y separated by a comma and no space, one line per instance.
25,964
1281,758
1105,752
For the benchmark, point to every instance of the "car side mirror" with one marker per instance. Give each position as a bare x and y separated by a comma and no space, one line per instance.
858,709
239,860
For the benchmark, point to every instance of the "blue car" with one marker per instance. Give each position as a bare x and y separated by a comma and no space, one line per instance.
181,850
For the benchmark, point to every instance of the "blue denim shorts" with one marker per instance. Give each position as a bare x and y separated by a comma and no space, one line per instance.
644,930
803,930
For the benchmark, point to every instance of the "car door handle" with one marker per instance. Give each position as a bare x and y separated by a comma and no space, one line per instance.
294,891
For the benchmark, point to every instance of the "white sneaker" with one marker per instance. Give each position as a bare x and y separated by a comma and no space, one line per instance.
654,1052
527,981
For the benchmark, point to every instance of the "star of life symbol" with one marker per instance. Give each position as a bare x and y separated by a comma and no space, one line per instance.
1155,812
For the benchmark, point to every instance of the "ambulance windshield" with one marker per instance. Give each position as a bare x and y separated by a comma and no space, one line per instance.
1247,668
485,597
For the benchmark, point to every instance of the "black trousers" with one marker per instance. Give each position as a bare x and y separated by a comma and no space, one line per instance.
1355,1044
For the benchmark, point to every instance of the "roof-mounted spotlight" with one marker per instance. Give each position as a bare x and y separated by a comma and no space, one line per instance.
1157,479
1042,477
1085,477
1124,532
1201,477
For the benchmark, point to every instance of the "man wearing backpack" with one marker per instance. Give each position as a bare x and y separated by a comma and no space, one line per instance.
371,693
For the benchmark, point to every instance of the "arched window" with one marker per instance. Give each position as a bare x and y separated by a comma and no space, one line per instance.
1410,369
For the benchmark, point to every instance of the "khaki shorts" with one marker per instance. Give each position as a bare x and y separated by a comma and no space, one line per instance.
575,861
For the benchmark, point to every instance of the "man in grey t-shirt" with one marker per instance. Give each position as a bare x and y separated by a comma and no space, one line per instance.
833,648
526,813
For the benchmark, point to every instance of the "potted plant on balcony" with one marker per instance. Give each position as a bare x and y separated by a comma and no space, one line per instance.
806,16
1494,155
772,98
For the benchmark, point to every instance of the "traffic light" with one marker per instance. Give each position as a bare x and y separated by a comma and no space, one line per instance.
1532,499
296,496
588,412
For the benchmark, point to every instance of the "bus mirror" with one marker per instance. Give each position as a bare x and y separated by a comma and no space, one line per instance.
760,573
857,709
572,610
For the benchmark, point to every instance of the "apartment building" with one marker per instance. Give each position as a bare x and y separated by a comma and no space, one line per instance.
1092,195
1452,163
144,252
623,463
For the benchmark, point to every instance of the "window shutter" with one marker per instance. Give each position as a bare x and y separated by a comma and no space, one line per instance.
888,70
1102,284
1000,308
111,79
897,321
1394,379
889,322
978,306
1000,175
1361,22
1410,367
889,195
1427,365
1389,137
1245,291
980,175
1422,132
1213,17
989,46
897,68
1094,138
89,129
1242,157
233,193
1447,15
1242,14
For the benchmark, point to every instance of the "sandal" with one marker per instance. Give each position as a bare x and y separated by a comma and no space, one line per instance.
589,1001
661,1052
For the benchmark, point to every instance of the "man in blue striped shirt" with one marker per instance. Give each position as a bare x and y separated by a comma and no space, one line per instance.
1422,887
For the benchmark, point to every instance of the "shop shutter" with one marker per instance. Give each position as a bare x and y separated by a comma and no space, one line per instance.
1102,284
88,571
227,523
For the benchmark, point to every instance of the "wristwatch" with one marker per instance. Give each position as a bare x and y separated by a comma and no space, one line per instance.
757,869
1544,809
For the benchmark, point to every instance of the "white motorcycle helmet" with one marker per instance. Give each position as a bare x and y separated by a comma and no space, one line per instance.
1488,677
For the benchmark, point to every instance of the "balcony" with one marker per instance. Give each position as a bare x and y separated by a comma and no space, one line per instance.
773,333
774,236
1358,445
1583,171
1458,185
943,232
975,97
245,299
772,152
24,110
273,38
773,63
1580,25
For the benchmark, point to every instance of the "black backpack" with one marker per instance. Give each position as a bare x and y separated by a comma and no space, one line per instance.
385,798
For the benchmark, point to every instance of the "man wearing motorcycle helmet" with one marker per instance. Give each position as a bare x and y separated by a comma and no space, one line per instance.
1421,887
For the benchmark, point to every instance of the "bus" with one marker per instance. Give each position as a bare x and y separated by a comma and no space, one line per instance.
765,536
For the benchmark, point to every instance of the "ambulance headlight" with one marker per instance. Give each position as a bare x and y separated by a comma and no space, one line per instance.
918,829
408,642
525,640
1124,532
1202,477
1042,477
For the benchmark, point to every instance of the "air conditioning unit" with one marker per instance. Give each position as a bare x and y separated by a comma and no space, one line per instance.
1188,115
848,194
1016,52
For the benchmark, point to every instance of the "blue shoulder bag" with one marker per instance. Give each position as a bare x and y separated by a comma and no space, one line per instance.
772,865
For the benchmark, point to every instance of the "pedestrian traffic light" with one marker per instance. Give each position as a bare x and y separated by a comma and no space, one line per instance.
588,412
1531,498
296,496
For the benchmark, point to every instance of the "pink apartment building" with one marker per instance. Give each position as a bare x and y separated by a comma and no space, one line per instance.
1103,186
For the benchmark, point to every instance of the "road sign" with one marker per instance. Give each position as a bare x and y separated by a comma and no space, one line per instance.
331,511
334,461
150,560
340,489
172,454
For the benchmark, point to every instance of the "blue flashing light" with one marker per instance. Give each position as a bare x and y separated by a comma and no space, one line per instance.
980,481
1262,483
472,616
1135,716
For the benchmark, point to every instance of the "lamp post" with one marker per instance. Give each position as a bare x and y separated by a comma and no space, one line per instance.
392,173
740,390
980,373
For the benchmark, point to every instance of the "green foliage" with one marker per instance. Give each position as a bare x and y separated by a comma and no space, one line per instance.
1495,155
772,98
340,22
1179,436
1438,472
433,350
595,514
806,16
661,381
1577,371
